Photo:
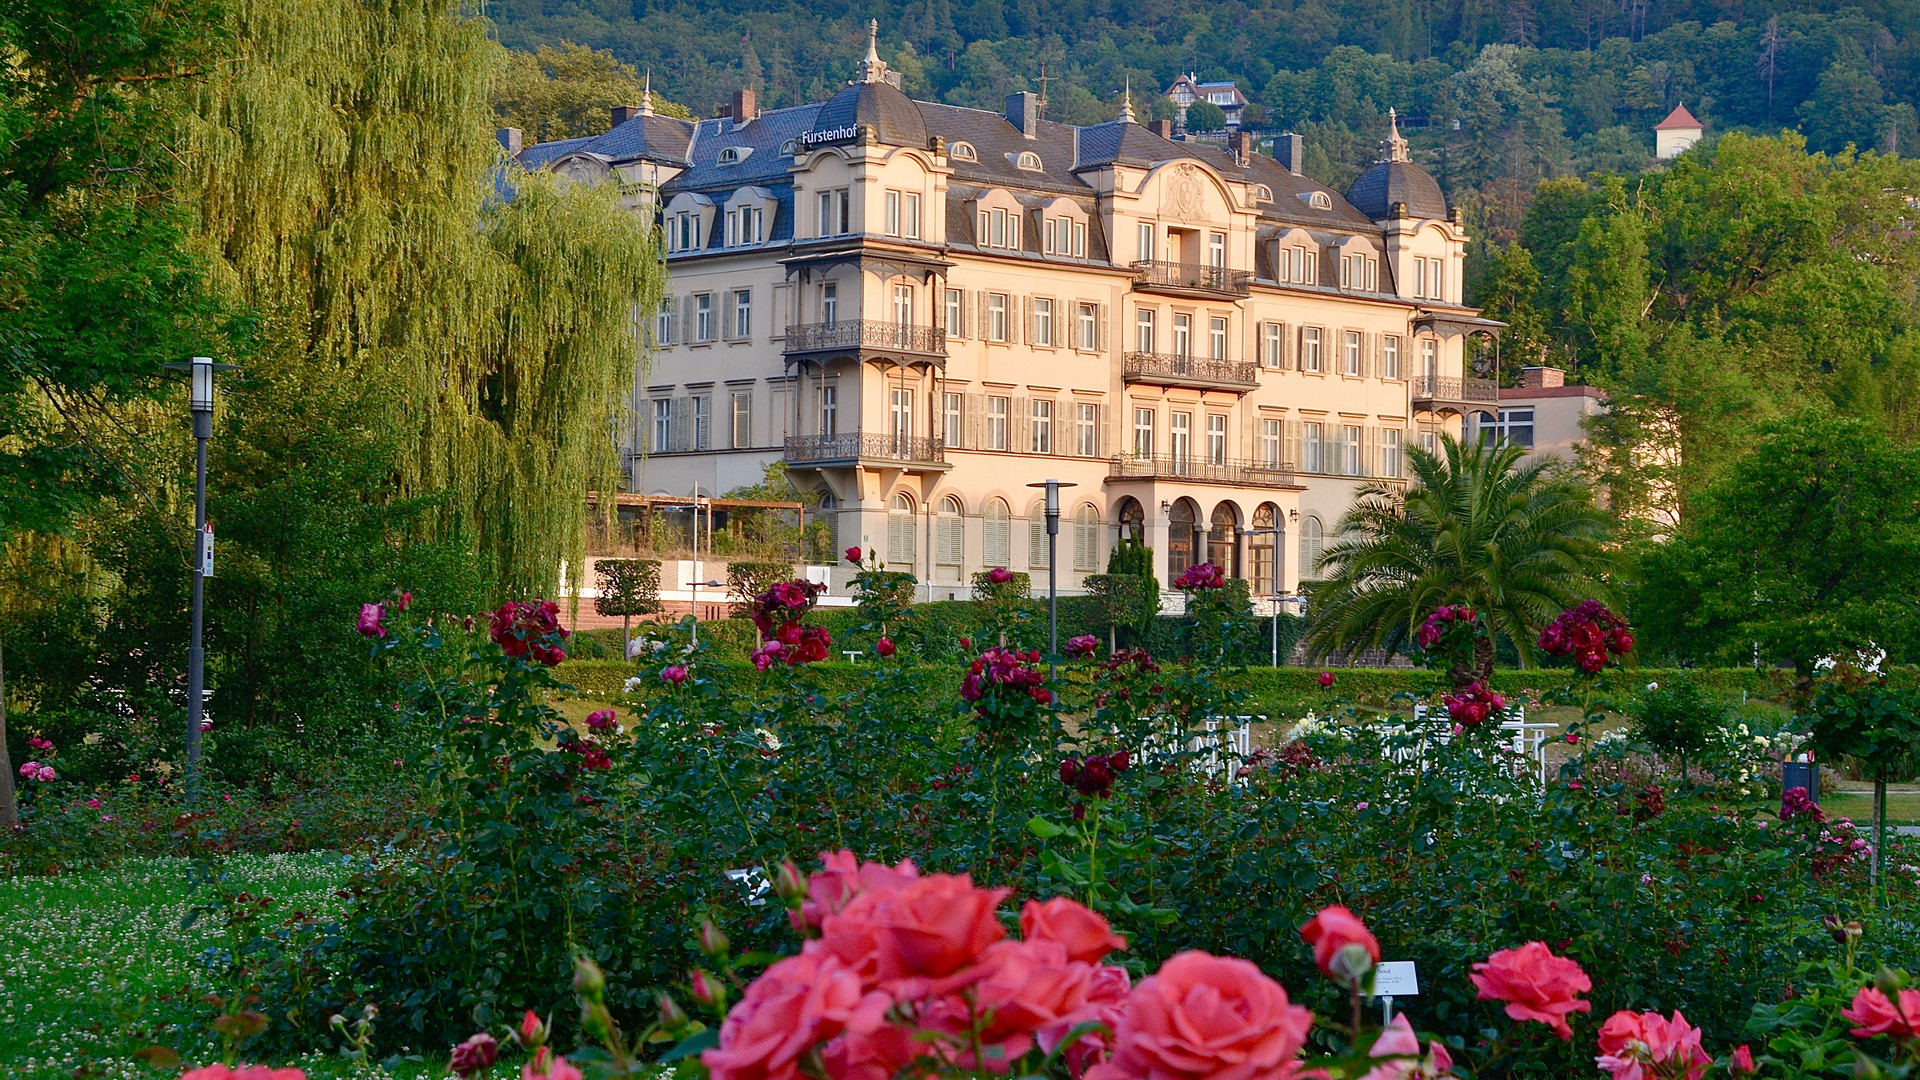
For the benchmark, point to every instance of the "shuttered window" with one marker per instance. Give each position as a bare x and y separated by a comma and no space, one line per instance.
900,533
949,534
997,543
1086,539
1037,536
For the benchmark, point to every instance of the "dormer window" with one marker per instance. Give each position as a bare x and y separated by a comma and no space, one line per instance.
962,151
999,228
1293,264
1065,236
1027,160
1319,200
787,148
1262,193
734,155
1359,271
682,230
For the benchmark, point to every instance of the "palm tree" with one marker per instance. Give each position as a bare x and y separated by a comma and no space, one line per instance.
1517,541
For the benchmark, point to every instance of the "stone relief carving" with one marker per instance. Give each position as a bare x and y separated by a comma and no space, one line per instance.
1181,194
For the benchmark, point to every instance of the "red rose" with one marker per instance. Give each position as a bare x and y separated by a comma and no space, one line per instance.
1343,948
1083,932
1326,678
853,554
1204,1017
1535,984
885,648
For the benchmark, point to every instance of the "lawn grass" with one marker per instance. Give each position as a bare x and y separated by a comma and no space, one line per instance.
1903,807
97,965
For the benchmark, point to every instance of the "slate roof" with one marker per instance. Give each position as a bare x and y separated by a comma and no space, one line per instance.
894,117
1387,182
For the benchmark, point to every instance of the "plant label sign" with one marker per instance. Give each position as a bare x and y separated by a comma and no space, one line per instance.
206,551
1396,979
753,880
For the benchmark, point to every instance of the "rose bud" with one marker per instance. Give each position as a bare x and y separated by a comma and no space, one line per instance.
476,1055
672,1016
1741,1064
708,991
532,1033
1069,770
788,884
1326,679
1118,761
853,554
588,980
713,940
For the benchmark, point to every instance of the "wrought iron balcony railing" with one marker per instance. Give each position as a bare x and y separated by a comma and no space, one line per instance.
867,334
864,446
1170,369
1447,388
1201,471
1191,278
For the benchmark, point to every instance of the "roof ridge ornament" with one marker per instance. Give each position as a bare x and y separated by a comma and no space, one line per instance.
873,69
1393,147
1126,103
646,95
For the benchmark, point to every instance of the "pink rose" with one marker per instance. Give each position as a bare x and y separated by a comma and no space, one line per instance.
1874,1014
93,804
1030,986
1400,1043
244,1072
1343,948
1204,1017
841,878
1083,932
673,674
532,1033
46,774
1638,1046
795,1004
921,939
370,616
476,1055
1741,1063
879,1054
1535,984
1084,645
999,575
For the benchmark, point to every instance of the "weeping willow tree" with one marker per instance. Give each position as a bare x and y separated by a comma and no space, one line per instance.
350,192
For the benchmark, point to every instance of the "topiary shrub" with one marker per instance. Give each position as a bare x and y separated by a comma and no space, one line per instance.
626,587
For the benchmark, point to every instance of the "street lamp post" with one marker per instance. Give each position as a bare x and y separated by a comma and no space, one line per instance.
1053,563
200,401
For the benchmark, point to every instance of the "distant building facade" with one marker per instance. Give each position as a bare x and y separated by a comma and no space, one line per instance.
1542,414
1187,89
922,309
1674,135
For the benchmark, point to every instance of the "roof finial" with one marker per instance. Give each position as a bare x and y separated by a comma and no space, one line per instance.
873,69
1126,103
1393,147
646,95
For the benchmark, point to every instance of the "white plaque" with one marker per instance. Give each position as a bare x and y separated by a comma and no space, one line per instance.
1397,979
206,551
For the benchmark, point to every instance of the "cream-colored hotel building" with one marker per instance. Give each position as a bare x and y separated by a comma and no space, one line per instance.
922,309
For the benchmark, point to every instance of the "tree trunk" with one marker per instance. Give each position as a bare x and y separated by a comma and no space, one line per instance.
626,637
1879,836
9,805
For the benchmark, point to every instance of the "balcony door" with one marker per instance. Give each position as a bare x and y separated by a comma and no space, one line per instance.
1180,441
900,417
1182,335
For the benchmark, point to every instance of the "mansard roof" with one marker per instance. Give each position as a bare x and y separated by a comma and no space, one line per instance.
894,117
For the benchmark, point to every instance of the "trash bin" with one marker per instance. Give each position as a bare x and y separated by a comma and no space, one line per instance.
1804,774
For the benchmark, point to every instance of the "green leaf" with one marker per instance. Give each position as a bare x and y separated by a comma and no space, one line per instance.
1044,829
692,1045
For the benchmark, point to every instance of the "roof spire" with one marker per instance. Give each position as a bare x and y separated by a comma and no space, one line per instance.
1393,147
646,95
1126,103
873,69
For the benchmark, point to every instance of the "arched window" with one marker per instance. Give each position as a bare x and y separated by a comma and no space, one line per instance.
961,151
1311,544
829,512
1029,161
1320,201
1262,193
1223,540
1262,547
900,533
1086,539
949,534
1182,530
998,541
1132,520
1037,535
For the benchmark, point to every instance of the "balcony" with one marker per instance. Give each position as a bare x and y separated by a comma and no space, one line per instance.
867,448
863,337
1191,279
1169,369
1195,470
1435,390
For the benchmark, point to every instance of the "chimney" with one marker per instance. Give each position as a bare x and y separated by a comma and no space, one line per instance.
1290,150
511,139
723,111
1164,129
623,113
744,107
1243,146
1542,378
1023,112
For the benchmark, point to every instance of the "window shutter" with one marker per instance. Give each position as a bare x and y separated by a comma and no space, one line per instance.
1380,355
1016,318
1296,443
677,426
973,423
1082,549
1031,311
1020,426
1037,539
980,299
1102,431
899,538
966,313
952,533
1100,328
1300,348
1363,353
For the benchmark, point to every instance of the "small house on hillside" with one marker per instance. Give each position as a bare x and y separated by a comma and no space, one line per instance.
1676,133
